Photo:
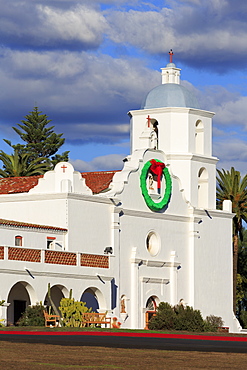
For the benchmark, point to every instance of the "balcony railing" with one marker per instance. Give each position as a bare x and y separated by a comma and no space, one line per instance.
53,257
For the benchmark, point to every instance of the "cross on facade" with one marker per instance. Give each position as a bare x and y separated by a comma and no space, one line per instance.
149,120
63,167
171,55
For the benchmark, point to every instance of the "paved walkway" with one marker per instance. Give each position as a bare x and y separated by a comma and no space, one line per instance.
176,342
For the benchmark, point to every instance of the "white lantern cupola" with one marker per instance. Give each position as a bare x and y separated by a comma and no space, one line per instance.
170,74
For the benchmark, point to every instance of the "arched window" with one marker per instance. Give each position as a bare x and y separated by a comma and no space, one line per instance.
151,304
18,240
203,188
167,77
199,137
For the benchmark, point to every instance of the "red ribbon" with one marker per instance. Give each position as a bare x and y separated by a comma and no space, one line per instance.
157,169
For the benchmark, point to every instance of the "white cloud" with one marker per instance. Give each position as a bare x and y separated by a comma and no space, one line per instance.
220,26
218,133
232,152
101,163
87,96
150,30
206,33
79,23
231,149
65,25
233,112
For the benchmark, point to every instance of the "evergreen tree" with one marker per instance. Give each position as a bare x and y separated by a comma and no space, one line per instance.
41,141
231,186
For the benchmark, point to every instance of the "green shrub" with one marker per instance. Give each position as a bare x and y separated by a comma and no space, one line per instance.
33,316
212,323
72,311
243,319
182,318
189,319
165,318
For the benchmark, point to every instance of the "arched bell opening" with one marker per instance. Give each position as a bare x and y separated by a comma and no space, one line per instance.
199,137
202,188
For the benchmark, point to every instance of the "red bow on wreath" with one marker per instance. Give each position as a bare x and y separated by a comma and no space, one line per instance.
157,169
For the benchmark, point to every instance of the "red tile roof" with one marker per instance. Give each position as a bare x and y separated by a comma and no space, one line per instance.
96,181
31,226
10,185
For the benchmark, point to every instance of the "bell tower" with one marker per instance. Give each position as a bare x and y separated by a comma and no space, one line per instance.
171,120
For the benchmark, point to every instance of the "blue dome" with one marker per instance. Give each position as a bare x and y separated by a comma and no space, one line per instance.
170,95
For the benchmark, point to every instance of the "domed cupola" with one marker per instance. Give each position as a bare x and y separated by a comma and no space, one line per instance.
170,93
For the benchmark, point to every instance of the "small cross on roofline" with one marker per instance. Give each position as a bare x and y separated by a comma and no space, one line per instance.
63,167
171,55
149,119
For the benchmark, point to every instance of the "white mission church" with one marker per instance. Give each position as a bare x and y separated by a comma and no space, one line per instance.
126,240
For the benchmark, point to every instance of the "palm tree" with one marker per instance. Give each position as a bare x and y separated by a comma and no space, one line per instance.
231,186
18,164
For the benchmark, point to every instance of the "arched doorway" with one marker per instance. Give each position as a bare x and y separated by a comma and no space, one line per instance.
151,307
57,293
93,298
20,296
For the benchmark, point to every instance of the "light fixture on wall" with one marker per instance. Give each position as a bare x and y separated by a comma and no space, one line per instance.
29,273
108,250
207,213
179,267
100,278
115,201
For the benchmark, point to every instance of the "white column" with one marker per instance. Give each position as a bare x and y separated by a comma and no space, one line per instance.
3,315
173,280
191,264
134,296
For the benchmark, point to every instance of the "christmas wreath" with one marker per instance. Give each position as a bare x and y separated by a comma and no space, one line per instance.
157,168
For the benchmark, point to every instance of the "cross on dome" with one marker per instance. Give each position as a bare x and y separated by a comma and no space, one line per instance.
170,74
171,55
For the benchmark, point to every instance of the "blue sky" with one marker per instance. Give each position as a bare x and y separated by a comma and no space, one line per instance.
87,63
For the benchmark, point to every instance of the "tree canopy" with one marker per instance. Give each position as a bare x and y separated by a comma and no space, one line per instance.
231,186
39,150
19,164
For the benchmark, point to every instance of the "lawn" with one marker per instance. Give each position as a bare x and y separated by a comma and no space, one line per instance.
23,356
68,329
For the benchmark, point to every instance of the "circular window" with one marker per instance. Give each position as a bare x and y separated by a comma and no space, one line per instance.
153,244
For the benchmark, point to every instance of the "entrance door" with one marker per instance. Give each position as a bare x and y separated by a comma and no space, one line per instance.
19,309
151,307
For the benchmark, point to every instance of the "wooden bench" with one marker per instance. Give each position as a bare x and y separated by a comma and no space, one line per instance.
89,318
50,319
